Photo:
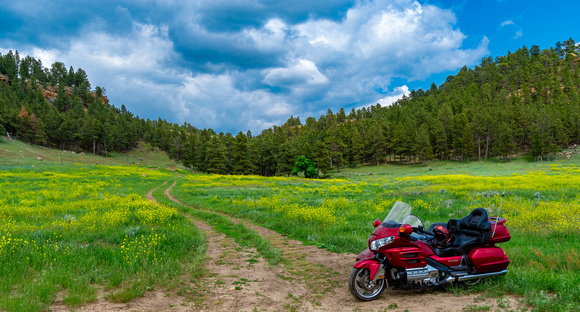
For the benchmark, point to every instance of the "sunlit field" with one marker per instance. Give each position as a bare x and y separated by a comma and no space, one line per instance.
542,207
72,230
75,231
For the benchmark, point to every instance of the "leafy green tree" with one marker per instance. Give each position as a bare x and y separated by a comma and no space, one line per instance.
311,172
305,165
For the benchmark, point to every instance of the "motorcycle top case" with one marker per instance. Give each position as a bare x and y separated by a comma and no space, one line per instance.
499,232
488,259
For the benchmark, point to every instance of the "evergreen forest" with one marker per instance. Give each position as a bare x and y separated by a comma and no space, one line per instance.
524,102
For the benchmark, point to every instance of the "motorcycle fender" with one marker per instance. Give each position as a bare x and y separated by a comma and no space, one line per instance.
372,265
366,254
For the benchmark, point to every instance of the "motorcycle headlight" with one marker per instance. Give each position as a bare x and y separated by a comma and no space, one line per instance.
378,243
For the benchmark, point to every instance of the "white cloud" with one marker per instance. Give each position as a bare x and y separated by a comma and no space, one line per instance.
270,37
391,97
302,72
508,22
378,39
318,64
144,50
518,33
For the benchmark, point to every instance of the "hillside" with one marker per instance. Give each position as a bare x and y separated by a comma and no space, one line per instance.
19,153
526,102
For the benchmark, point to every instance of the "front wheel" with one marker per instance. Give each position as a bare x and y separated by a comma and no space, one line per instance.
362,287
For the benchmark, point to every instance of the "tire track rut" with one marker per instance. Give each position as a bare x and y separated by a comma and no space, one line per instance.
326,273
308,279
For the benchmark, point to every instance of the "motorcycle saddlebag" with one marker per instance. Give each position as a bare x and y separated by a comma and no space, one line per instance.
488,259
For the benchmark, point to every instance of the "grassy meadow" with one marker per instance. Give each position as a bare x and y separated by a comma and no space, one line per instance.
76,230
16,153
540,202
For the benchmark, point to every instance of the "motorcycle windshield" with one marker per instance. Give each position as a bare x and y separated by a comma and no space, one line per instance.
413,221
399,212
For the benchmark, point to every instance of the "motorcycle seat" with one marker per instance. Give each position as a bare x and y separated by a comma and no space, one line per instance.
474,229
476,223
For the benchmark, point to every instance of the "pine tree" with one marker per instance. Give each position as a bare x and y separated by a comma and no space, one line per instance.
423,144
240,157
286,159
216,156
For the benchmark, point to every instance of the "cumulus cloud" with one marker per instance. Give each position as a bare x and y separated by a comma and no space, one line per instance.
184,64
391,97
397,94
302,73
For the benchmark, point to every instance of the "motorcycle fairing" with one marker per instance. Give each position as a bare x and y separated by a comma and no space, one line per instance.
426,248
448,261
406,257
366,254
372,265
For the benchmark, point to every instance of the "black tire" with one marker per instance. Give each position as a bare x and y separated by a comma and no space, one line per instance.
362,288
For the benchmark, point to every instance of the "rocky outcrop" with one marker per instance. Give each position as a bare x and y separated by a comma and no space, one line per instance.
49,92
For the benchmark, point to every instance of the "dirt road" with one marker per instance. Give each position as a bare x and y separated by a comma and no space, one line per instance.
309,279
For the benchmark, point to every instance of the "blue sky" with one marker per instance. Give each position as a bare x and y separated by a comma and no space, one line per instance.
242,65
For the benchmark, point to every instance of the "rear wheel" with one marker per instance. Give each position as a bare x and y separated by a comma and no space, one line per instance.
362,287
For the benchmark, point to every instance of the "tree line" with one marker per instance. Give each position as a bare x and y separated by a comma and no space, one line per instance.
526,101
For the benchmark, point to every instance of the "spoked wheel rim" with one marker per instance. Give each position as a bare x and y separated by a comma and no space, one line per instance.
363,287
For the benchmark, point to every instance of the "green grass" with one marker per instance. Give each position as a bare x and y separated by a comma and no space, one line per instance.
541,204
491,167
72,229
239,232
336,214
17,153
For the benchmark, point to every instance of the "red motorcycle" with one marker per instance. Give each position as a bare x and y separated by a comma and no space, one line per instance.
403,255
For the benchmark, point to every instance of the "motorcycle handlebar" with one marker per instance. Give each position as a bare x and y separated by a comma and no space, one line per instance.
421,229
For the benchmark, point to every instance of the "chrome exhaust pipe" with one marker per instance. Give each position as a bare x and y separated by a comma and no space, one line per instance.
470,277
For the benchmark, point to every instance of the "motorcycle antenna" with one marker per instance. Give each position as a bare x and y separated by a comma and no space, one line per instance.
500,203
